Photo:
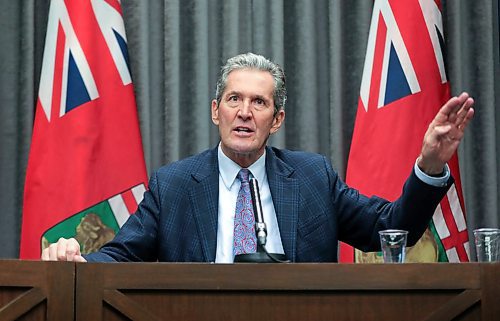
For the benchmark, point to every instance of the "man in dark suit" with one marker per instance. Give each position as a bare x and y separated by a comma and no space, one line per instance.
188,213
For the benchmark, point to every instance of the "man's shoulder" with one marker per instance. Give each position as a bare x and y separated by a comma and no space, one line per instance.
293,156
204,161
301,163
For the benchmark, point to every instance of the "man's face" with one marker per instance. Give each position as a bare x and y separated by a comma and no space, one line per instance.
245,115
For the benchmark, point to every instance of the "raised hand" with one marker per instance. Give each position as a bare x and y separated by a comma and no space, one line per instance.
445,133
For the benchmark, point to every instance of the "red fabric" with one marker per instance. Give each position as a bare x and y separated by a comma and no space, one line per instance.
387,139
93,151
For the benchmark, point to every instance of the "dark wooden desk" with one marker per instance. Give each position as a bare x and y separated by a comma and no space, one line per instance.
32,290
160,291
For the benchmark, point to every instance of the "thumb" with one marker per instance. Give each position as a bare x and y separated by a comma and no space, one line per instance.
79,258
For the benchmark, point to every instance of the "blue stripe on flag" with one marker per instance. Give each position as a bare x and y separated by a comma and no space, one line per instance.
77,93
397,85
123,47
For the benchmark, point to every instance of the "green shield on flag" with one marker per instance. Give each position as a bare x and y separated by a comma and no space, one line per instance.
92,228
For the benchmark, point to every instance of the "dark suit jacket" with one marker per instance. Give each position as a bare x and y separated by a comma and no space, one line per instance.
177,220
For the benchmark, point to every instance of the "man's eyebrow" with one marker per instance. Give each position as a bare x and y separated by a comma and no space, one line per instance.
238,93
232,92
261,97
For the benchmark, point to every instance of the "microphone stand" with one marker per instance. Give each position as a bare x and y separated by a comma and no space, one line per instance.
261,255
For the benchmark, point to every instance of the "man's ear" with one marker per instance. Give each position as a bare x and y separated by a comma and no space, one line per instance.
278,120
215,112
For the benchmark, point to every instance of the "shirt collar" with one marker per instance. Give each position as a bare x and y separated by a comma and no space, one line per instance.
228,169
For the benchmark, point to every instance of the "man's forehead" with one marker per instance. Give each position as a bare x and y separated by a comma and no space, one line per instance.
246,79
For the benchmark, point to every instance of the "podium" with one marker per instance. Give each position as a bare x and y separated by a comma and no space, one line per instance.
32,290
188,291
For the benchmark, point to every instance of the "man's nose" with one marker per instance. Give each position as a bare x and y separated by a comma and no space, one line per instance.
246,109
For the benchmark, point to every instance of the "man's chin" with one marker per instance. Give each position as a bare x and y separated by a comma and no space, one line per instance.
243,152
239,152
240,147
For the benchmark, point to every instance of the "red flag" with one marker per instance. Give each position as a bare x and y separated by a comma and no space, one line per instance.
404,84
86,170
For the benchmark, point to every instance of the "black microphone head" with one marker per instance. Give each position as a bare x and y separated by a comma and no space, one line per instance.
254,188
260,226
254,193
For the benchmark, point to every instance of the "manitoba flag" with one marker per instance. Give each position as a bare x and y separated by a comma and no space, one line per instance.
86,170
403,86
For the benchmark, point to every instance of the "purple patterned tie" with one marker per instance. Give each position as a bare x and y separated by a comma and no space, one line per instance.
245,240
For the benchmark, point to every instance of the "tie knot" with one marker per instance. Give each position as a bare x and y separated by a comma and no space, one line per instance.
243,175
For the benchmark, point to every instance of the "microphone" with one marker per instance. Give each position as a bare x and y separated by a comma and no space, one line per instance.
262,255
260,226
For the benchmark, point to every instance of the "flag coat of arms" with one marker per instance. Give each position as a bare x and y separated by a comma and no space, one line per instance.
86,171
403,86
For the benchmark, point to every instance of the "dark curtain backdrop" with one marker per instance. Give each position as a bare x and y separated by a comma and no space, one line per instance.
177,46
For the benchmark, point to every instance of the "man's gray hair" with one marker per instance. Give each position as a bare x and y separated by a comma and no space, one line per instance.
253,61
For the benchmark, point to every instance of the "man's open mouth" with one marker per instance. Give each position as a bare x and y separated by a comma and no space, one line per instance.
243,129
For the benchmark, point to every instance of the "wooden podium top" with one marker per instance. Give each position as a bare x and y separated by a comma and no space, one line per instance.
291,276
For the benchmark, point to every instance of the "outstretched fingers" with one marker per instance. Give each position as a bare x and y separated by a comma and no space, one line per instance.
465,114
451,108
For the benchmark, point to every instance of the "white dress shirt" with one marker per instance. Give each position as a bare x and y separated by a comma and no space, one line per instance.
229,186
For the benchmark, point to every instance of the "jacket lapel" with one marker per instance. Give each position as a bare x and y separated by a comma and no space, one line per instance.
204,196
285,193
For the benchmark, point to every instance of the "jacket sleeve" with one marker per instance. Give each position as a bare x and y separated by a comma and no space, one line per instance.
361,217
136,241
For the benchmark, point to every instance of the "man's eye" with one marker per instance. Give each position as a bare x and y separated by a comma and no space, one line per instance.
233,100
259,101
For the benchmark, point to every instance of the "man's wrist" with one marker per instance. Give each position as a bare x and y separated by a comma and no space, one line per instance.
433,170
433,180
